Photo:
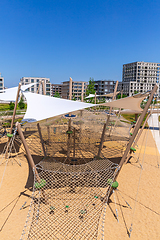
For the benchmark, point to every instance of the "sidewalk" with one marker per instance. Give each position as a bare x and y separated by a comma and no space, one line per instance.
153,123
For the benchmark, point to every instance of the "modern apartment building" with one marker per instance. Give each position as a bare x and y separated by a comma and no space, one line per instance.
1,82
56,88
38,86
77,88
103,87
139,77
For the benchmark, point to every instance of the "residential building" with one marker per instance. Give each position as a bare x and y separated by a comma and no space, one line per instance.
103,87
38,86
56,88
77,88
1,82
139,77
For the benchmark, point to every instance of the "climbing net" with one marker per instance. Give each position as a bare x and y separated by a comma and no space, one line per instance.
68,202
74,185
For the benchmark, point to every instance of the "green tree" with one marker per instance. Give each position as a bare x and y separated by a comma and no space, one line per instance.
119,96
90,88
11,106
57,95
73,97
21,104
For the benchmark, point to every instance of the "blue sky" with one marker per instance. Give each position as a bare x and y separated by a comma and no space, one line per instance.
79,39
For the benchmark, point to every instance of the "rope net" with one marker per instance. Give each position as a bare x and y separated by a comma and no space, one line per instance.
71,195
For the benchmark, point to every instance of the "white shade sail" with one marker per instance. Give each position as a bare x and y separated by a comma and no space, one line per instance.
91,96
40,107
109,95
10,94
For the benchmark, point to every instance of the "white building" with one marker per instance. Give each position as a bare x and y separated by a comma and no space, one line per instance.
1,82
78,87
39,83
139,77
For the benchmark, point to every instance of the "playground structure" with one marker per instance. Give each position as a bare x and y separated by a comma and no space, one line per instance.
73,181
73,177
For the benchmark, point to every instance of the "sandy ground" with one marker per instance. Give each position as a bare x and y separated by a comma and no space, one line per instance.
144,215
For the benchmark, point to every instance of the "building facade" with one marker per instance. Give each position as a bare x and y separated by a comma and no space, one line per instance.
139,77
78,87
103,87
56,88
1,82
38,86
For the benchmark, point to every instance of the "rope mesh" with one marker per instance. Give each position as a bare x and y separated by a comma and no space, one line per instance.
70,200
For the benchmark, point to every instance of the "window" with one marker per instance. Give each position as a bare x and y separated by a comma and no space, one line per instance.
32,89
47,89
1,84
47,85
38,85
32,80
37,80
26,80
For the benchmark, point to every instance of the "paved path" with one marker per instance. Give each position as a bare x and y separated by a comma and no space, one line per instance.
153,123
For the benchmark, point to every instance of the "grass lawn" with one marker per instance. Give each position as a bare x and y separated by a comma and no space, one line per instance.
5,107
131,117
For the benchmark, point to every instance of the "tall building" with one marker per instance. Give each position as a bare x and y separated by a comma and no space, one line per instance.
139,77
1,82
56,88
38,86
104,86
77,88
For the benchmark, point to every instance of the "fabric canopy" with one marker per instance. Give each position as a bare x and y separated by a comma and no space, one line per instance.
40,107
10,94
109,95
91,96
104,95
132,103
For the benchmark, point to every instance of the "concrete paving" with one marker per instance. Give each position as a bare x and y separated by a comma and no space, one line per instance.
153,123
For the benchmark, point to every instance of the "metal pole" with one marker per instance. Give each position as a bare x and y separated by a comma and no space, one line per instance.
30,159
134,135
42,142
13,118
15,107
95,98
44,92
39,87
107,122
70,88
74,142
137,127
121,93
82,92
48,130
69,138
